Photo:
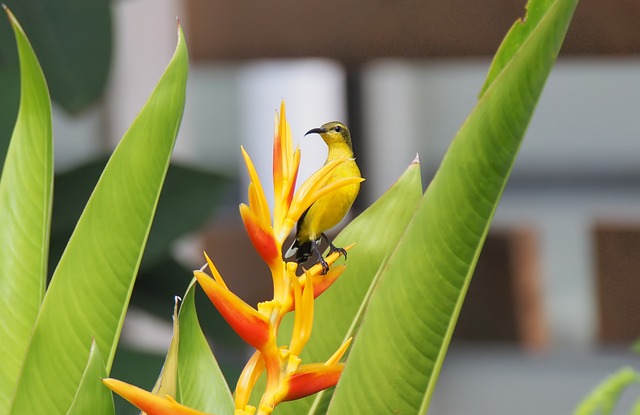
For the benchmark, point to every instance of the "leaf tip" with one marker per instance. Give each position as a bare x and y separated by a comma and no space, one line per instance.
12,19
9,13
179,29
416,159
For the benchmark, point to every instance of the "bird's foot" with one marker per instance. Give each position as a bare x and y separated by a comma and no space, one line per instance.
325,266
333,249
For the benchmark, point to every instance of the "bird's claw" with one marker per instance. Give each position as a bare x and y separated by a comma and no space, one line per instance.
342,251
325,266
332,249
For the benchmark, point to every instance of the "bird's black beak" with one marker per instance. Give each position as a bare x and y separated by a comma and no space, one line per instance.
319,130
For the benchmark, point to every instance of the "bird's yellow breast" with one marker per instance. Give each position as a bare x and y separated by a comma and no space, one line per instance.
329,210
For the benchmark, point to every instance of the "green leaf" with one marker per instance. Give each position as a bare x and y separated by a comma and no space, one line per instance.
174,215
604,397
92,397
201,383
73,40
91,286
635,410
10,87
25,212
338,311
397,356
167,383
163,280
516,38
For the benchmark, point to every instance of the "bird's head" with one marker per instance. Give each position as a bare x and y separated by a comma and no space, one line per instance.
333,132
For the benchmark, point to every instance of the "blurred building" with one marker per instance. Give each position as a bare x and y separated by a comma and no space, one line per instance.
558,273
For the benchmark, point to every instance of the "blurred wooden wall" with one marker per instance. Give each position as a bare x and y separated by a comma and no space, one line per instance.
356,31
617,264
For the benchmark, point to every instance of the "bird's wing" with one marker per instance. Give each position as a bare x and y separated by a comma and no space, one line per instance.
295,245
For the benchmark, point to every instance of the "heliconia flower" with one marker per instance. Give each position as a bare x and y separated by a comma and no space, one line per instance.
339,353
248,378
252,326
289,206
148,402
320,282
286,377
257,198
303,318
261,236
285,167
310,379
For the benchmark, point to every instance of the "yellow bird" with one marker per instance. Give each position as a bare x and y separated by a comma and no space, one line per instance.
329,210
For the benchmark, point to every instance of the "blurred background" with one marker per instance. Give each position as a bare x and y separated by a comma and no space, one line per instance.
552,308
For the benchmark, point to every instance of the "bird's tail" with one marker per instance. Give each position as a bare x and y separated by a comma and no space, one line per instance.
292,250
301,251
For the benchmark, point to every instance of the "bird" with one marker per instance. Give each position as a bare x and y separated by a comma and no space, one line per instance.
328,211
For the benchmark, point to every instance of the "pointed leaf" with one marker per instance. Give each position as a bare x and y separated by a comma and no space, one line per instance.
338,310
92,397
167,383
635,409
604,397
25,213
397,355
201,383
92,284
9,85
515,39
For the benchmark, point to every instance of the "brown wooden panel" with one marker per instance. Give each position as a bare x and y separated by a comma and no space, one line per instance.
356,31
227,244
503,303
617,249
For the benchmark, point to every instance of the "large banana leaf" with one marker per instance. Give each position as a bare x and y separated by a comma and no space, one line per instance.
396,359
201,384
190,371
25,211
339,309
91,396
174,217
92,283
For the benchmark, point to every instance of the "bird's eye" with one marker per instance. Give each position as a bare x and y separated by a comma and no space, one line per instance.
337,128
